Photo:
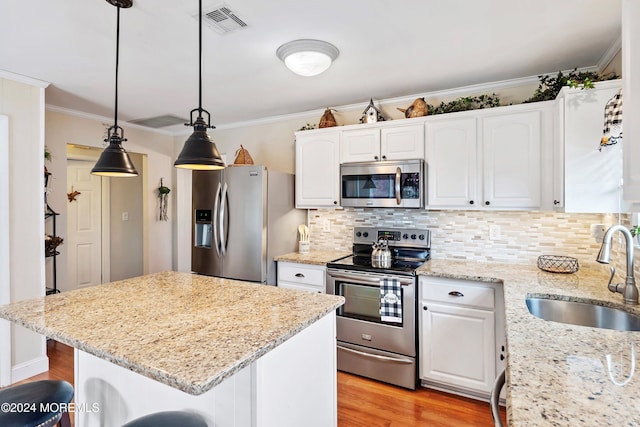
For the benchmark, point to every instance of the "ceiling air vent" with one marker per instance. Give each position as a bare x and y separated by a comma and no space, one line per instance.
223,20
160,121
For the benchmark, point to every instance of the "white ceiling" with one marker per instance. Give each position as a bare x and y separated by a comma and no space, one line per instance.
387,49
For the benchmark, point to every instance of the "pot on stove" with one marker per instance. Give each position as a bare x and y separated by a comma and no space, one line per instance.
381,255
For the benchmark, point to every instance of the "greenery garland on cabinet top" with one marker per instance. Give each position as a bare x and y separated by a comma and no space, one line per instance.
550,86
466,103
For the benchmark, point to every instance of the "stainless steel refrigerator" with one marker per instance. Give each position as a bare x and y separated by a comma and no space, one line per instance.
243,217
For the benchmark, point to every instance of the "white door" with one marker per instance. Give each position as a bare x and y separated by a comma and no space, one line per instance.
402,142
457,346
317,170
512,160
452,163
362,145
84,244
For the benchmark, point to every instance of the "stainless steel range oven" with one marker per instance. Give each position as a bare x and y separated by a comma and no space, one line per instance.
368,343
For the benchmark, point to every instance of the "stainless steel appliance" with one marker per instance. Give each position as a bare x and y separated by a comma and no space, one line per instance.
243,216
388,184
367,345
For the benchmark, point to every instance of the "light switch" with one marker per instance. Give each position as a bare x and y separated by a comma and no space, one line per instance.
125,216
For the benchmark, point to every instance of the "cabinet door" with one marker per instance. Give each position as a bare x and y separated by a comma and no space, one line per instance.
631,89
317,170
362,145
402,143
452,156
511,149
457,346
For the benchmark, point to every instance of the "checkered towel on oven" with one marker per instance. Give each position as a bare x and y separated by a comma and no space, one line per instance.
612,130
390,300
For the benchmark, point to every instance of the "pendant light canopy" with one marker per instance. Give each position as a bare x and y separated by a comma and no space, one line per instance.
199,151
114,160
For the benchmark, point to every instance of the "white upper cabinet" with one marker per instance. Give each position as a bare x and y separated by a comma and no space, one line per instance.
631,90
403,142
488,159
591,179
452,162
511,152
317,169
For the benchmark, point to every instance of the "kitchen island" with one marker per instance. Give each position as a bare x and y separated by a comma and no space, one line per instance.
559,374
239,353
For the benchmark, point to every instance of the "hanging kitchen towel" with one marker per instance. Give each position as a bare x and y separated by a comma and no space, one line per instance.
390,300
612,130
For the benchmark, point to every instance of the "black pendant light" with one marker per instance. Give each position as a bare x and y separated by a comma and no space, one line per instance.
199,151
114,160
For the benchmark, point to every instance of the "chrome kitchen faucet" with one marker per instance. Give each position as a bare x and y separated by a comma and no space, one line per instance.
628,290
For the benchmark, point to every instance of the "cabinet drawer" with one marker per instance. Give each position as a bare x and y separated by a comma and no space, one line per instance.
452,292
301,273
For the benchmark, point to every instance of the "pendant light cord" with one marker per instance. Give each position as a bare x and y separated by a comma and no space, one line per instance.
200,60
115,120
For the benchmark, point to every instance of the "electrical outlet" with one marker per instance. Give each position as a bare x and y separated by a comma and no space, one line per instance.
494,232
326,226
125,216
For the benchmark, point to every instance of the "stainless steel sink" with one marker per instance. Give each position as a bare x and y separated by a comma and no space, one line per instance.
583,314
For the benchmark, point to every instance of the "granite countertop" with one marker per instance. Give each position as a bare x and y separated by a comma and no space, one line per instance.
312,257
559,374
187,331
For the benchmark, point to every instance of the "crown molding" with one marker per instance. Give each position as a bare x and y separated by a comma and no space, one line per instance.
611,53
23,79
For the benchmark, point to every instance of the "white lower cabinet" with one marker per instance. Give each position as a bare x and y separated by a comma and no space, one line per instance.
461,327
303,277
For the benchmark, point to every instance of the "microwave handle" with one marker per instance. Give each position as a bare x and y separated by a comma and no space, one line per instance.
398,177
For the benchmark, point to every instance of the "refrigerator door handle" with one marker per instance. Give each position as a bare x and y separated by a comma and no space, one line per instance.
216,214
223,215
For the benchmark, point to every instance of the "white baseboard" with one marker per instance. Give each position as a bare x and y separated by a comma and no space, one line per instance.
30,368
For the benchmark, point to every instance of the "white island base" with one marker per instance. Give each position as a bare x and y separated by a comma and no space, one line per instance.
290,386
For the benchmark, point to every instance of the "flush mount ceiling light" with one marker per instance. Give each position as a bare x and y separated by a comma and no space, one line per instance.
199,151
307,57
114,160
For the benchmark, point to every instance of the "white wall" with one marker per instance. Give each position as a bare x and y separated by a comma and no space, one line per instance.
65,127
23,103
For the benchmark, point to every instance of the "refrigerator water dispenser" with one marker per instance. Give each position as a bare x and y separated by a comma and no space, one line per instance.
203,228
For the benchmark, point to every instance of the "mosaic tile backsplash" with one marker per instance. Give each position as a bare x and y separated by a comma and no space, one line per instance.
520,237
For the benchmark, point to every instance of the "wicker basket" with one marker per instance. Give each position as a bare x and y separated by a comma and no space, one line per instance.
557,264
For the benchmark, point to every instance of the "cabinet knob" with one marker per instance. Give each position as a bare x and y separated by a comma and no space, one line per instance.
502,357
299,275
384,157
556,202
487,203
335,202
456,294
470,202
375,157
424,307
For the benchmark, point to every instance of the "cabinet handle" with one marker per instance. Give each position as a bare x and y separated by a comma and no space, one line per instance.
487,203
556,202
502,357
470,202
299,275
456,294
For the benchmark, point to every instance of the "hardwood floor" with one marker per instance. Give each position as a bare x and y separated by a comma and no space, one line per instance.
361,402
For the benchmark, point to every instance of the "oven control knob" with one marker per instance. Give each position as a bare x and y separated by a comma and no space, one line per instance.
405,236
358,234
365,234
421,237
413,237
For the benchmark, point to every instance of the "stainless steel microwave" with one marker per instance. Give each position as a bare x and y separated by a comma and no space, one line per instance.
387,184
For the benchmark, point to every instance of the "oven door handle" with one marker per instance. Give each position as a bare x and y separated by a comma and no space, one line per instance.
376,356
371,280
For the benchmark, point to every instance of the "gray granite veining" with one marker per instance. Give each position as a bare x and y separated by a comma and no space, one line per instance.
560,374
187,331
